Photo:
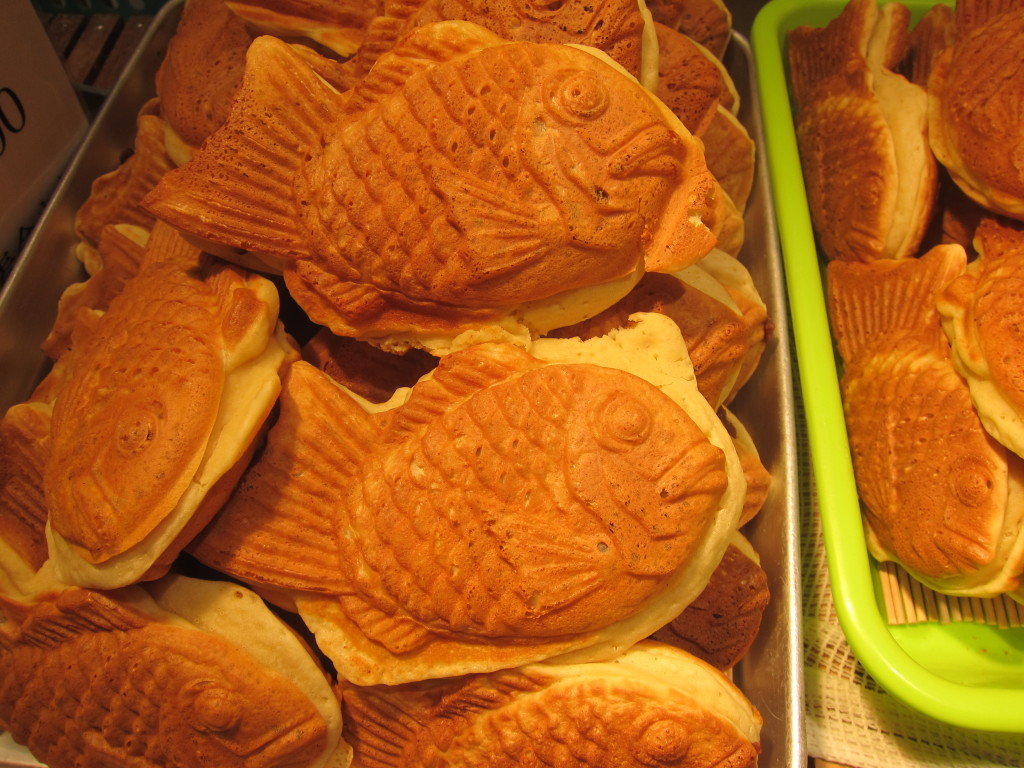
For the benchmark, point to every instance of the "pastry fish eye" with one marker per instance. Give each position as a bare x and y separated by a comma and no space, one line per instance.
971,480
577,95
663,742
137,428
214,708
621,421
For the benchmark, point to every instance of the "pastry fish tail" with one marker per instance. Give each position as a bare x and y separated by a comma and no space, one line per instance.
381,732
290,501
243,187
890,299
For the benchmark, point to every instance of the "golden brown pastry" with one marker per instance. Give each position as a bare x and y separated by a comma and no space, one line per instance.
708,22
115,197
940,496
165,393
723,622
981,314
691,81
495,205
24,448
759,479
653,705
196,674
974,93
116,258
617,27
724,340
335,25
862,131
509,510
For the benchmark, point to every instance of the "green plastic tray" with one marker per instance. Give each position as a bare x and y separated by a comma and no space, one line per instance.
964,674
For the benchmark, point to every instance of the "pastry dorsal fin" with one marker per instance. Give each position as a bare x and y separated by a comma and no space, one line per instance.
455,379
72,613
424,47
486,693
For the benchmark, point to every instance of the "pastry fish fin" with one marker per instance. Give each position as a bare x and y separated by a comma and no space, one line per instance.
243,187
487,693
556,572
517,233
72,613
888,298
289,502
399,634
478,368
400,57
380,728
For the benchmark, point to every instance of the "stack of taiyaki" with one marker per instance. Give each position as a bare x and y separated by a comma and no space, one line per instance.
929,334
400,387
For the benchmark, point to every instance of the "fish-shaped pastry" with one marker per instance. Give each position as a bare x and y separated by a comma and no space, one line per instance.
163,396
466,181
862,131
616,27
197,674
708,22
975,87
940,496
982,313
509,510
652,706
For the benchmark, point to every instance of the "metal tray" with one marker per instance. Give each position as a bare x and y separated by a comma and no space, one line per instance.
962,673
771,675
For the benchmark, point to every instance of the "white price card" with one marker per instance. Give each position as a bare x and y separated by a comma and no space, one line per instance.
41,124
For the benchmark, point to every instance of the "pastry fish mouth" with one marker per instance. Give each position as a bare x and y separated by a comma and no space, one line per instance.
293,747
655,150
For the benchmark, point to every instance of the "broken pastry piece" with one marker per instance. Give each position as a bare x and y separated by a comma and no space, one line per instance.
164,394
523,198
723,622
653,705
940,495
974,115
981,311
193,673
490,517
862,131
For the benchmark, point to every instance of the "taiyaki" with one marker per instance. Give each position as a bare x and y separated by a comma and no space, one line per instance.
691,81
619,28
940,496
862,131
652,706
722,623
931,35
982,313
471,181
200,74
164,395
364,369
116,258
199,674
509,510
730,153
115,196
974,113
722,342
708,22
336,25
